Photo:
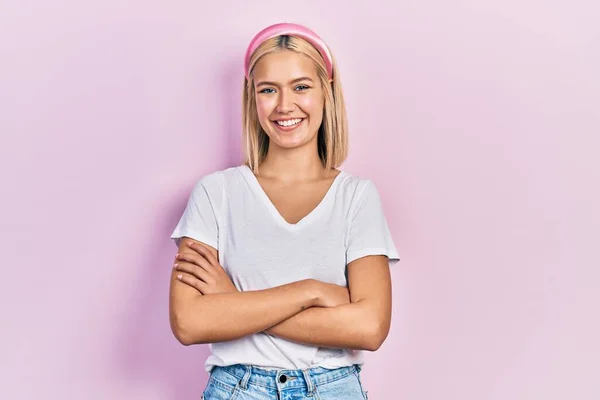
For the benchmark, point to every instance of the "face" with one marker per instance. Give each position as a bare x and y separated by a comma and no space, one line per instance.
289,98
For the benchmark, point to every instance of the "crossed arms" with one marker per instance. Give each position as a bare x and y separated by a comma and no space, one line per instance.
205,306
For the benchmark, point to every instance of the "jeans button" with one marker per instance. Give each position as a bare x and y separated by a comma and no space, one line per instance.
282,379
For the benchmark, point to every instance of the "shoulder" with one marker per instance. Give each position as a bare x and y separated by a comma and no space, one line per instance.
209,190
217,180
356,187
218,185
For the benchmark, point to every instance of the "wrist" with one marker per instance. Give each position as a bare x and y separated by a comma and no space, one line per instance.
312,290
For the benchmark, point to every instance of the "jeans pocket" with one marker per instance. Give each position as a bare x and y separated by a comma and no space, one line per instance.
217,390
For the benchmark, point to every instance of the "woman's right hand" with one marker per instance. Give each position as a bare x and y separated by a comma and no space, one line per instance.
331,295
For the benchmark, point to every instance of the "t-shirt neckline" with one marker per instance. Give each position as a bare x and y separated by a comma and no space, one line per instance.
307,219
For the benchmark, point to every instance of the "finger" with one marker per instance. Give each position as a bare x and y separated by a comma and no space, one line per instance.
204,251
191,281
193,270
193,258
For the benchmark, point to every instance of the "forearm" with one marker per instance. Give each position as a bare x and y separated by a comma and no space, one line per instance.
229,316
351,326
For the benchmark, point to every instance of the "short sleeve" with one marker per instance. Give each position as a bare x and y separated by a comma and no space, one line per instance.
369,233
200,216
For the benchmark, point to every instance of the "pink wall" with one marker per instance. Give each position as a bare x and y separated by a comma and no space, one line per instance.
479,121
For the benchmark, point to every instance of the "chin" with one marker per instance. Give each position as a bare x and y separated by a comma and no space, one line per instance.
289,142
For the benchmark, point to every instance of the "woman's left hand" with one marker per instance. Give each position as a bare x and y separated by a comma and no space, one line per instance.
202,271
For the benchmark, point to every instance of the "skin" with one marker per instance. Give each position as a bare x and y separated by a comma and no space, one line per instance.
205,306
287,86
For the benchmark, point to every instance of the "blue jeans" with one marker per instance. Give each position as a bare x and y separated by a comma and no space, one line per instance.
245,382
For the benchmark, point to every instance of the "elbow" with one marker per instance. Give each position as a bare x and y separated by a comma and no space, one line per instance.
180,332
372,343
183,337
375,336
183,332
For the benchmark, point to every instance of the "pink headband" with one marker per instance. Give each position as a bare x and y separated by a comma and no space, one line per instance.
292,30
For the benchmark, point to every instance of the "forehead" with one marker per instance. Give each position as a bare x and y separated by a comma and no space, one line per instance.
284,66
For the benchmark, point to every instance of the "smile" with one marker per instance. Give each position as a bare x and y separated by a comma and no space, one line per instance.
289,122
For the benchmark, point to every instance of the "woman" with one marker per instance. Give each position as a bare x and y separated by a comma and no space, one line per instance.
283,263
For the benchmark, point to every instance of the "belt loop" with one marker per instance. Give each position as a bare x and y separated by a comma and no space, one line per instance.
358,367
246,378
309,382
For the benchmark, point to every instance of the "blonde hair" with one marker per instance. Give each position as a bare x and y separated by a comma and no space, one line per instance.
333,132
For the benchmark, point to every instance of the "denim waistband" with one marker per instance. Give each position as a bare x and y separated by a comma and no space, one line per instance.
278,379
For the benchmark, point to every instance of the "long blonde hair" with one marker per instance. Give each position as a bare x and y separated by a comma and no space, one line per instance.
333,132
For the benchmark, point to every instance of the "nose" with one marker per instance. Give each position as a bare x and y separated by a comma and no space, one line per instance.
286,102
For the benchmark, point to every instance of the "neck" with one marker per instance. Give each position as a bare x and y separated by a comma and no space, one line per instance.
292,165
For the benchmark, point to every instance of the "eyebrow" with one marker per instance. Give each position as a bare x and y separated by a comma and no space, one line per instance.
265,83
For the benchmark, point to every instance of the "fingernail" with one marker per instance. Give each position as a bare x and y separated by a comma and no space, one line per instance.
175,266
179,276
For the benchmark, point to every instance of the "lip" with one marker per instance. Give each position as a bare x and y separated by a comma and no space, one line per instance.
287,128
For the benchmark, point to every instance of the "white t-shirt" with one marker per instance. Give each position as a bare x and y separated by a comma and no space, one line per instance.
259,249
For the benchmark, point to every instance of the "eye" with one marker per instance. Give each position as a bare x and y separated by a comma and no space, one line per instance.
267,90
302,87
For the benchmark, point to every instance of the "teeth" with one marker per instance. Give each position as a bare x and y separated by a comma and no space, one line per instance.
289,122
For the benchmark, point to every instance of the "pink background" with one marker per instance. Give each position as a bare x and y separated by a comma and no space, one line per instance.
478,121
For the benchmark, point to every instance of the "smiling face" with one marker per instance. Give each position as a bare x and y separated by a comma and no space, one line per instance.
289,98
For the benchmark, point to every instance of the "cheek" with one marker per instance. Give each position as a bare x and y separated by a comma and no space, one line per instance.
312,105
264,107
